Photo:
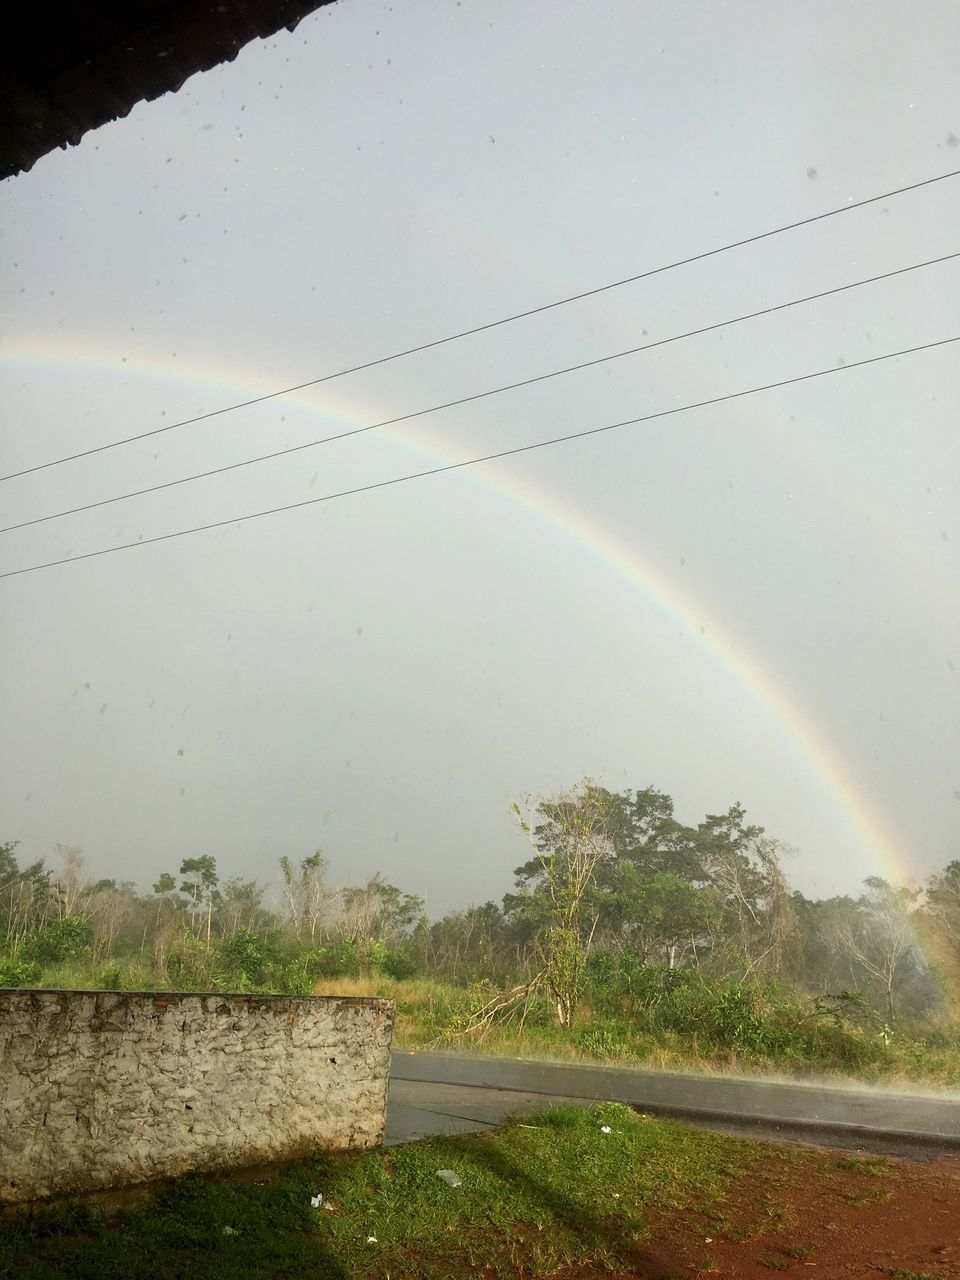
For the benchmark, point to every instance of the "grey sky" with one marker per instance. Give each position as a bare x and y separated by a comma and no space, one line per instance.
381,675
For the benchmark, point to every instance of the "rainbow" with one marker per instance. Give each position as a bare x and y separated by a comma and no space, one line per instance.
767,690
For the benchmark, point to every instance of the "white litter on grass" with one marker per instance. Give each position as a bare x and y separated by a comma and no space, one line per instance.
708,1240
449,1177
229,1231
316,1201
605,1128
371,1239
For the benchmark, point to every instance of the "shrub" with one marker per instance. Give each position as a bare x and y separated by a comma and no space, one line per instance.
397,965
111,979
240,961
190,964
63,940
16,972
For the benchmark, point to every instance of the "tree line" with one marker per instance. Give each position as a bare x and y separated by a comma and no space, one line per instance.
615,889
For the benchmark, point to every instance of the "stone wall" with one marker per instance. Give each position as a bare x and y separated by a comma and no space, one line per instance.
109,1088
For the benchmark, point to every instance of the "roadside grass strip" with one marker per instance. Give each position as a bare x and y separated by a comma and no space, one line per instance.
569,1185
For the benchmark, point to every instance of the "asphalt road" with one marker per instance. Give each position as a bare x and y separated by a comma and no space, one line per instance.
439,1093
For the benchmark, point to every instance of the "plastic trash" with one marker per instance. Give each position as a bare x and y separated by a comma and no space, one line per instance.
605,1128
316,1201
449,1177
371,1239
229,1231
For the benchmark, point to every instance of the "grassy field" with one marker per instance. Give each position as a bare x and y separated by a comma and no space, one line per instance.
430,1012
570,1192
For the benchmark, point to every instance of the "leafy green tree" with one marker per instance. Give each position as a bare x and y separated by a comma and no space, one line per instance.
666,918
27,898
646,834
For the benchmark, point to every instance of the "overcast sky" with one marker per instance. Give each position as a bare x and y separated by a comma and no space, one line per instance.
381,675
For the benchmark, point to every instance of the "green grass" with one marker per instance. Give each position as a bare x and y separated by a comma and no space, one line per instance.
871,1166
428,1009
536,1195
899,1274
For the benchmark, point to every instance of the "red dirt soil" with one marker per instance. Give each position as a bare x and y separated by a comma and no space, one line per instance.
822,1214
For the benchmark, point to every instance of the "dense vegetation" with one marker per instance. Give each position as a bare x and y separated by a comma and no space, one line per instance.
628,936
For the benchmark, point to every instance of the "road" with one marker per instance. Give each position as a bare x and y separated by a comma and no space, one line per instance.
439,1093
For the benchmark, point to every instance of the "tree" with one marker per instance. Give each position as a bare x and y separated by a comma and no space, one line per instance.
469,943
758,930
111,905
241,908
943,894
9,870
72,885
939,921
163,888
308,898
664,917
377,912
573,837
200,881
880,939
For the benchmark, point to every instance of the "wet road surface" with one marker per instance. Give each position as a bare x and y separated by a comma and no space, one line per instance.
440,1093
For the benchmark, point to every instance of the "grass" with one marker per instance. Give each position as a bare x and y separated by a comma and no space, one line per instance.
536,1195
426,1009
899,1274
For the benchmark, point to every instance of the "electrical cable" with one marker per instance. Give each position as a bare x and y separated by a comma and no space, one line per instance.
479,395
489,457
492,324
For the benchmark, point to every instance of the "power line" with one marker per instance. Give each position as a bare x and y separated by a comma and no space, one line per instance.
492,324
488,457
479,395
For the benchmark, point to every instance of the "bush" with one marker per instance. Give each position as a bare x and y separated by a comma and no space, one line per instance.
397,965
338,960
240,961
190,965
15,972
111,979
64,940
